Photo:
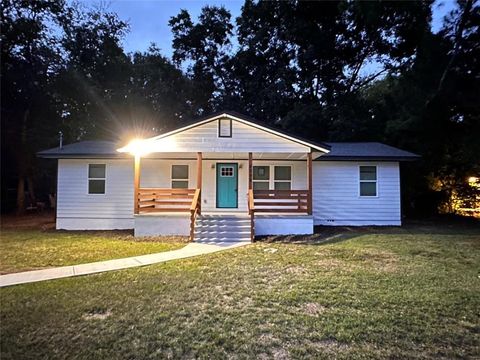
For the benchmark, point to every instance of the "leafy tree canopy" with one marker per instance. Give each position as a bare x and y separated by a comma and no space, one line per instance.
330,70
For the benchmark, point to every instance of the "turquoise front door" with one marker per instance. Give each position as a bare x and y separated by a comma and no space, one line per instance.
227,185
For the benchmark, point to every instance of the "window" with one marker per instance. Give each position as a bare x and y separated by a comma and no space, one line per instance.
261,177
179,176
226,171
224,128
96,178
368,181
282,178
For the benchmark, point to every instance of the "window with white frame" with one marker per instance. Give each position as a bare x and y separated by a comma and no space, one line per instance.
282,178
225,128
368,181
96,178
227,171
261,177
179,176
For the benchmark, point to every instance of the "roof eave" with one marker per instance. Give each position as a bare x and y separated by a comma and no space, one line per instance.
368,158
82,156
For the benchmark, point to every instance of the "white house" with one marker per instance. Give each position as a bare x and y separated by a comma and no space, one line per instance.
226,177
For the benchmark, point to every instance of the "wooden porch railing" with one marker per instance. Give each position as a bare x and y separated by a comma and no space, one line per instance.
195,209
164,200
285,201
251,212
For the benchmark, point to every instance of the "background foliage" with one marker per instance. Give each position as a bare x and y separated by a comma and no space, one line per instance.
339,71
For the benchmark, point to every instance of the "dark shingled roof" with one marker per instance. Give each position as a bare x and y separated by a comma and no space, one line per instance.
338,151
84,149
365,151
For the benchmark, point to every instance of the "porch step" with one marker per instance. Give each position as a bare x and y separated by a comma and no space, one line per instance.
222,228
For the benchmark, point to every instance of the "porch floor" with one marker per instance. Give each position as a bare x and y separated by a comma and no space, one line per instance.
226,213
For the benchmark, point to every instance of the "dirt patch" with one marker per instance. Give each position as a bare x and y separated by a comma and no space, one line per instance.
97,314
280,354
329,345
325,236
263,356
313,309
383,261
267,339
296,270
44,220
329,263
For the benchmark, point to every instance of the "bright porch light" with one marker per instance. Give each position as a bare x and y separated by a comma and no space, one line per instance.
138,147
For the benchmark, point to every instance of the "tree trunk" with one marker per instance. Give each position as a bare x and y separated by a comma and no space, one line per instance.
21,164
20,195
457,43
31,189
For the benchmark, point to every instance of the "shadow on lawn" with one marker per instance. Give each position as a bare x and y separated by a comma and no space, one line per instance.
322,236
445,225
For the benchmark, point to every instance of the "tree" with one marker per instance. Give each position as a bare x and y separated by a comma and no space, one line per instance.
432,108
320,54
64,69
206,46
94,81
160,94
30,59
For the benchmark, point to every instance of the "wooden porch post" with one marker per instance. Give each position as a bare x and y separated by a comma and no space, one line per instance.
136,183
250,175
199,179
199,170
310,194
250,198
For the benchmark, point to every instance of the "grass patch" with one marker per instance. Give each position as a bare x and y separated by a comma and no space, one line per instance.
399,293
30,249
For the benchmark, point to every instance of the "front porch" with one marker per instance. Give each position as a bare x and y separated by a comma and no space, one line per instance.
254,193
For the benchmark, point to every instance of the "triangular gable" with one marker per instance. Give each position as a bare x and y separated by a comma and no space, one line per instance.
247,136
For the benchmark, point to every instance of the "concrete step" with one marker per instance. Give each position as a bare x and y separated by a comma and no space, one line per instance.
222,221
220,239
227,216
223,236
222,228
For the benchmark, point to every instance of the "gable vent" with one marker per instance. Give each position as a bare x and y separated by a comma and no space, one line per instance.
225,128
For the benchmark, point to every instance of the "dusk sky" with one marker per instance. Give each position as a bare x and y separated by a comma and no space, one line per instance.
148,19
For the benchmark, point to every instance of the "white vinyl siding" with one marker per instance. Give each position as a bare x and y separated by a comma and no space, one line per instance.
245,138
78,210
261,177
273,177
225,128
282,178
337,200
96,179
368,180
156,173
179,176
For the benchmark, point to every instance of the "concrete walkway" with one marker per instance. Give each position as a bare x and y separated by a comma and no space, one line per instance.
192,249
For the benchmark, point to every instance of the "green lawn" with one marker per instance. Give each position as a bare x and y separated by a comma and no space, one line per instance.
30,249
378,293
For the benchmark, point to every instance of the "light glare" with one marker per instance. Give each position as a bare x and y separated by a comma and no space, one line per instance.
138,147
